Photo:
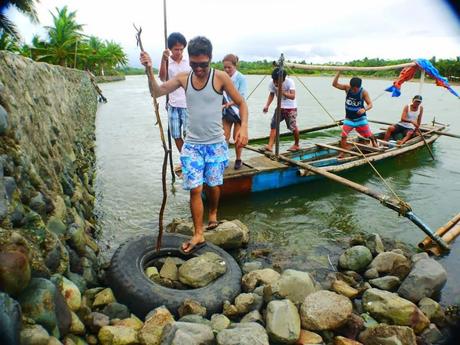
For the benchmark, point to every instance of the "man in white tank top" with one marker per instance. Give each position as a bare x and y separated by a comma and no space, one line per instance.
204,153
411,119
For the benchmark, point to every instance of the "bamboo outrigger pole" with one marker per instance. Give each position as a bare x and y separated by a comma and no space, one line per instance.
150,76
173,176
402,208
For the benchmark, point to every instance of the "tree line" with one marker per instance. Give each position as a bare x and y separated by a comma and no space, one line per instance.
65,43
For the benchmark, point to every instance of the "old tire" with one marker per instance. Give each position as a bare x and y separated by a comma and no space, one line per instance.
134,289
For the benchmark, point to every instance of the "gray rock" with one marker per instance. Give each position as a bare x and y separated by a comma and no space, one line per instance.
194,318
169,270
325,310
3,120
389,283
293,285
219,322
248,333
253,316
201,270
38,204
388,335
371,273
426,278
259,277
387,261
10,187
355,258
375,244
433,311
10,320
183,333
390,308
283,322
432,335
116,311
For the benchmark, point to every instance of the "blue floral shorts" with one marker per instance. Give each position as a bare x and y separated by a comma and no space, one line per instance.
203,163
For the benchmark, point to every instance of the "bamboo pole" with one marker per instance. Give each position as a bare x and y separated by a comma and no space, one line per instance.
440,231
347,68
452,234
426,144
403,209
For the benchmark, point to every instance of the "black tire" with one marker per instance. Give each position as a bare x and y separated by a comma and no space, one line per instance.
133,288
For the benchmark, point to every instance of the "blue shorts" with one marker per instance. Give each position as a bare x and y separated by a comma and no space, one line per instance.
177,121
203,163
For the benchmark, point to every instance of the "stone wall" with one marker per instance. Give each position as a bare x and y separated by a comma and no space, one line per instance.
47,138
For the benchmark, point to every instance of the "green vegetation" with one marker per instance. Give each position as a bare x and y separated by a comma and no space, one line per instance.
66,45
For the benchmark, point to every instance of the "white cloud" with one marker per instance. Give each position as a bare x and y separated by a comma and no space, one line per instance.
317,31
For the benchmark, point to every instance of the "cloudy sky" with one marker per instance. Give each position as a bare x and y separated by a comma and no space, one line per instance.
311,30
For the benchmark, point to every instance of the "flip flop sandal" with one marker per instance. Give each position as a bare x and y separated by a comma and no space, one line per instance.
191,247
213,224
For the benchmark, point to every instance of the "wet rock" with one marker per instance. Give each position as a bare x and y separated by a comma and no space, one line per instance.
426,278
388,335
116,335
389,283
151,332
384,262
219,322
259,277
189,306
345,341
253,316
309,338
14,272
34,335
10,320
77,280
343,288
169,270
76,327
432,335
247,302
42,302
433,311
229,234
248,333
389,307
252,266
293,285
69,290
179,333
116,310
283,322
375,244
325,310
3,121
201,270
355,258
104,297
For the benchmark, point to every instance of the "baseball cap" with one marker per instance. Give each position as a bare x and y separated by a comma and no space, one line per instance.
417,98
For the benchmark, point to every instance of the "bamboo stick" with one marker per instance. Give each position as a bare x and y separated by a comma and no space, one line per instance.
347,68
330,147
451,234
440,231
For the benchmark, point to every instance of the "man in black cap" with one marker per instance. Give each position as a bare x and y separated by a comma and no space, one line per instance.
410,121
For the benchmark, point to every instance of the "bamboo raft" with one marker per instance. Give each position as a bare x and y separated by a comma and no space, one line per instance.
447,232
265,172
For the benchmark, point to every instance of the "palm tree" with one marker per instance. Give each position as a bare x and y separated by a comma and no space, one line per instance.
63,37
27,7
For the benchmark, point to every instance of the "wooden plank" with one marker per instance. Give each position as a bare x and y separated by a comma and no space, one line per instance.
326,146
366,147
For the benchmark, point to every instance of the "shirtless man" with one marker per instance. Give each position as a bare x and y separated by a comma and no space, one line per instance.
204,155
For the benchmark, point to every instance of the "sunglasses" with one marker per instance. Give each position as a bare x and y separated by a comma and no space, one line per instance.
199,64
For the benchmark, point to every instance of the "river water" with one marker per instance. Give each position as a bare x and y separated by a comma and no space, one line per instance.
299,226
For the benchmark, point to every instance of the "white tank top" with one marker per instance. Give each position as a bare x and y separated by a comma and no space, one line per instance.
411,116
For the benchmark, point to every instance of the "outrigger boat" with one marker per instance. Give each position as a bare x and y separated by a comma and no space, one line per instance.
265,172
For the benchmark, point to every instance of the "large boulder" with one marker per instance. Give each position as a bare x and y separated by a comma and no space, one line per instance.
42,302
325,310
293,285
355,258
201,270
283,322
248,333
388,307
228,234
388,335
426,278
